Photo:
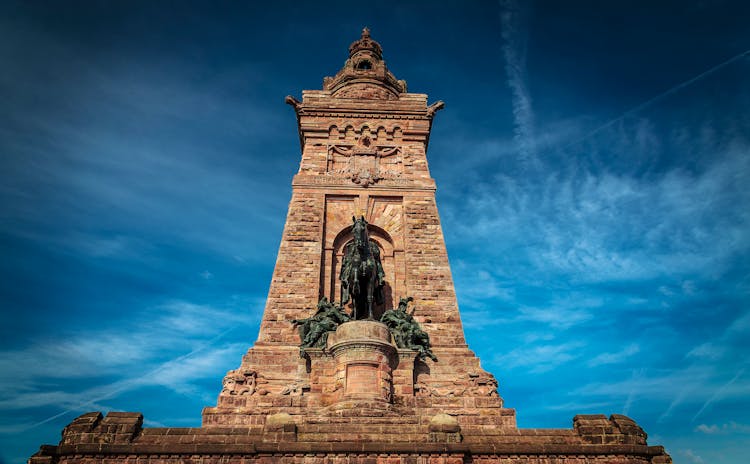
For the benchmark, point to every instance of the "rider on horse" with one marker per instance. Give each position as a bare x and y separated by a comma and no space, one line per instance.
362,276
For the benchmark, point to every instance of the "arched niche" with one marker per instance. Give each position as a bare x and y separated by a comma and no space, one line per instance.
331,283
381,134
334,133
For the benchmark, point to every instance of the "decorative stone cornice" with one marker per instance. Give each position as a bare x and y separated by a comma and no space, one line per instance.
303,110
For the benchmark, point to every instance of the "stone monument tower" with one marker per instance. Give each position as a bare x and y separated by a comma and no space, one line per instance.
364,141
361,356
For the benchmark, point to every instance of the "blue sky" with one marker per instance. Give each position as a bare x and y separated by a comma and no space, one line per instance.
592,167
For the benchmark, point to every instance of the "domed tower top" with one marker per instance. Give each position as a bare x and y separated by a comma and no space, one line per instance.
366,46
365,75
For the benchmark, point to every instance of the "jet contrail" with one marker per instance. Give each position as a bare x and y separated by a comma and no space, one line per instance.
515,69
718,393
128,384
662,95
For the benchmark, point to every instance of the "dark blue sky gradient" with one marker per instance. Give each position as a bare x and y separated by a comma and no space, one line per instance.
596,214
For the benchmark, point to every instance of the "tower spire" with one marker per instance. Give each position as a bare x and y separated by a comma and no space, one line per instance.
365,68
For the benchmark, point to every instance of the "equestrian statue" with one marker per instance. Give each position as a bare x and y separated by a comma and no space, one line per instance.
362,276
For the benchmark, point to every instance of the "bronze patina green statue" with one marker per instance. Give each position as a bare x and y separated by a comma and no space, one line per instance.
362,277
313,331
406,330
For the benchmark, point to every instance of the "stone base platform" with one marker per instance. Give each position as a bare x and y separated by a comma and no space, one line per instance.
352,439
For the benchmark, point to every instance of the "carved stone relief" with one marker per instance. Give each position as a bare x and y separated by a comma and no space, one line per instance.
244,382
296,388
365,158
471,384
482,384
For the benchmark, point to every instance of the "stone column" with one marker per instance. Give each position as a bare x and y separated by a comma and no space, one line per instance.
364,357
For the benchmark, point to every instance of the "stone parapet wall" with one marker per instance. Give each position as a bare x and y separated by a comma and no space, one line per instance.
326,457
350,438
356,422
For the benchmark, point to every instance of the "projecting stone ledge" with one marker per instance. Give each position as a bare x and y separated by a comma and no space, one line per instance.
92,438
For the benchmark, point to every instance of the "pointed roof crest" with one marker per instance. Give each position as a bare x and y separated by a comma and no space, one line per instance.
366,43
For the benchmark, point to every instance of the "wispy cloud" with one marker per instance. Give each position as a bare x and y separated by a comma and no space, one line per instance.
616,357
632,240
730,427
540,358
172,346
581,407
691,456
102,155
709,351
684,387
613,227
514,52
561,312
178,374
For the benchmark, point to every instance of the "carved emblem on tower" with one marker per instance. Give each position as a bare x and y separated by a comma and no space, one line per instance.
366,161
362,162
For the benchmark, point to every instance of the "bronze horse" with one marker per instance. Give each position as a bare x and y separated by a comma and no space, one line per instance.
362,276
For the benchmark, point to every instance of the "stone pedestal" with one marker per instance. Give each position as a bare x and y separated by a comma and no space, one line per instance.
365,359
